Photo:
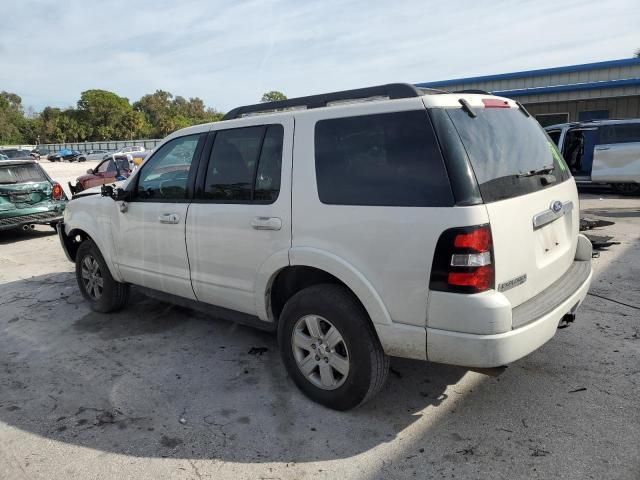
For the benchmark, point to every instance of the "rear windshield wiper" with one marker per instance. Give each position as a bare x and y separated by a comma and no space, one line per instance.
540,171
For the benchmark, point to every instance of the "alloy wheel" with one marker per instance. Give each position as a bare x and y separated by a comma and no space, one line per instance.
92,277
320,352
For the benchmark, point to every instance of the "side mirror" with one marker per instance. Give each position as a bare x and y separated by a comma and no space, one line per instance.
90,172
106,191
118,194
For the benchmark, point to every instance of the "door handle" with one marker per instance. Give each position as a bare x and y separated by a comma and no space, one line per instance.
169,218
266,223
599,149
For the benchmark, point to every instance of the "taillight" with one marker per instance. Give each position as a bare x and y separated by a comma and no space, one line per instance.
463,260
56,191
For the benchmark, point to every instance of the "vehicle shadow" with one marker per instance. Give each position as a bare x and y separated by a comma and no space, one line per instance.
157,380
19,235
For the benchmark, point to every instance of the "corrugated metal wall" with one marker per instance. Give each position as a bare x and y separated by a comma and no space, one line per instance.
595,75
622,107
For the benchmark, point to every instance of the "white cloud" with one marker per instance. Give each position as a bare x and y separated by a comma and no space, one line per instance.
229,53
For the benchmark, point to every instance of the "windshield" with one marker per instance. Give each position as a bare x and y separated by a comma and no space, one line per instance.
21,174
510,153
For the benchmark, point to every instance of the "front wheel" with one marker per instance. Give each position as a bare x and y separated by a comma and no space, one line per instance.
97,286
330,348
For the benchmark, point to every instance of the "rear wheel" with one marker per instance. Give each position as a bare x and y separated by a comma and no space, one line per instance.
97,286
627,188
330,348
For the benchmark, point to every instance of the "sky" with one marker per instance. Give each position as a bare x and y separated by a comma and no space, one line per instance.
230,52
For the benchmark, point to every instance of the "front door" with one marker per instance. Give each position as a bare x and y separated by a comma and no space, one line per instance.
241,216
150,227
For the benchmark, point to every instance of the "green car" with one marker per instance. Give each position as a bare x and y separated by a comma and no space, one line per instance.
28,196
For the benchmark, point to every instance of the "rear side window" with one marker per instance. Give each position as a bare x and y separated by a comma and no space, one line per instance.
621,133
21,174
389,159
510,153
245,165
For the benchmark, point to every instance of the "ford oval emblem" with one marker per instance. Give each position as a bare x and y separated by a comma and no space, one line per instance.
556,206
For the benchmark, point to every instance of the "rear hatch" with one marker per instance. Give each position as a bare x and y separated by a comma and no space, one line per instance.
531,199
23,186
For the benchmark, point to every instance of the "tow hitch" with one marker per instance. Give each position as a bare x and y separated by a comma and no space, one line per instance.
567,320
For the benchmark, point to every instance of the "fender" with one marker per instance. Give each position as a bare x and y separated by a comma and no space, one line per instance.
96,226
347,273
397,339
266,274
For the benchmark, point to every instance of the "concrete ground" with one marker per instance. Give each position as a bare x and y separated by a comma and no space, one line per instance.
159,392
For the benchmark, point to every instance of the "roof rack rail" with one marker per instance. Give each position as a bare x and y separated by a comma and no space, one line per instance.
391,91
472,90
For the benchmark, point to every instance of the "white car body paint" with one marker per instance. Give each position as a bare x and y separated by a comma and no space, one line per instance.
383,254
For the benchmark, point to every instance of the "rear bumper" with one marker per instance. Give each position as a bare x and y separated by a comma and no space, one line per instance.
45,218
494,350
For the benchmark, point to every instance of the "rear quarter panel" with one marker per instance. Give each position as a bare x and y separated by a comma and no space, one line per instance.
383,253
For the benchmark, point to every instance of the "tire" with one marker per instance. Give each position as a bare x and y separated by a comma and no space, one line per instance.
627,188
112,295
327,306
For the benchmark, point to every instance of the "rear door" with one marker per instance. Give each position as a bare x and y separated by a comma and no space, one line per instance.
241,215
531,200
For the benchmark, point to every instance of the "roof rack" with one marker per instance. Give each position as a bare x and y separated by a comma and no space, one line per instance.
472,90
391,91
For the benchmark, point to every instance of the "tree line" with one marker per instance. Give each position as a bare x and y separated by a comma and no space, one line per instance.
104,115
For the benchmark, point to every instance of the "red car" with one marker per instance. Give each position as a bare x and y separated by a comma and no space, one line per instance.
107,171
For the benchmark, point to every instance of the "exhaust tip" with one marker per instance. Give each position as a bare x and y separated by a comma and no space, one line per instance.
25,228
32,226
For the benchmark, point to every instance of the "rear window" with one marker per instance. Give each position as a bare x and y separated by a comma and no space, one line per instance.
21,174
389,159
510,153
621,133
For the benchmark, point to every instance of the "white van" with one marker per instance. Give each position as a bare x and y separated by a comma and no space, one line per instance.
361,224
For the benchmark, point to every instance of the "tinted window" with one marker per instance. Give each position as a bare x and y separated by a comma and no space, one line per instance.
267,186
21,173
245,165
165,175
386,159
621,133
506,148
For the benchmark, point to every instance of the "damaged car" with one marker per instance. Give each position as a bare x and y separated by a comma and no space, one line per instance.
602,152
28,196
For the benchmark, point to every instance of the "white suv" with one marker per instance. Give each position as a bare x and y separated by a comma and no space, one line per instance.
361,224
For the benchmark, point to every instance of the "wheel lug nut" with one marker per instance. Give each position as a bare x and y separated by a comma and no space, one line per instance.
326,359
317,358
313,345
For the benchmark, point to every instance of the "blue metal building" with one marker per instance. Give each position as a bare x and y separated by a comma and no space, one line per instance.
608,89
